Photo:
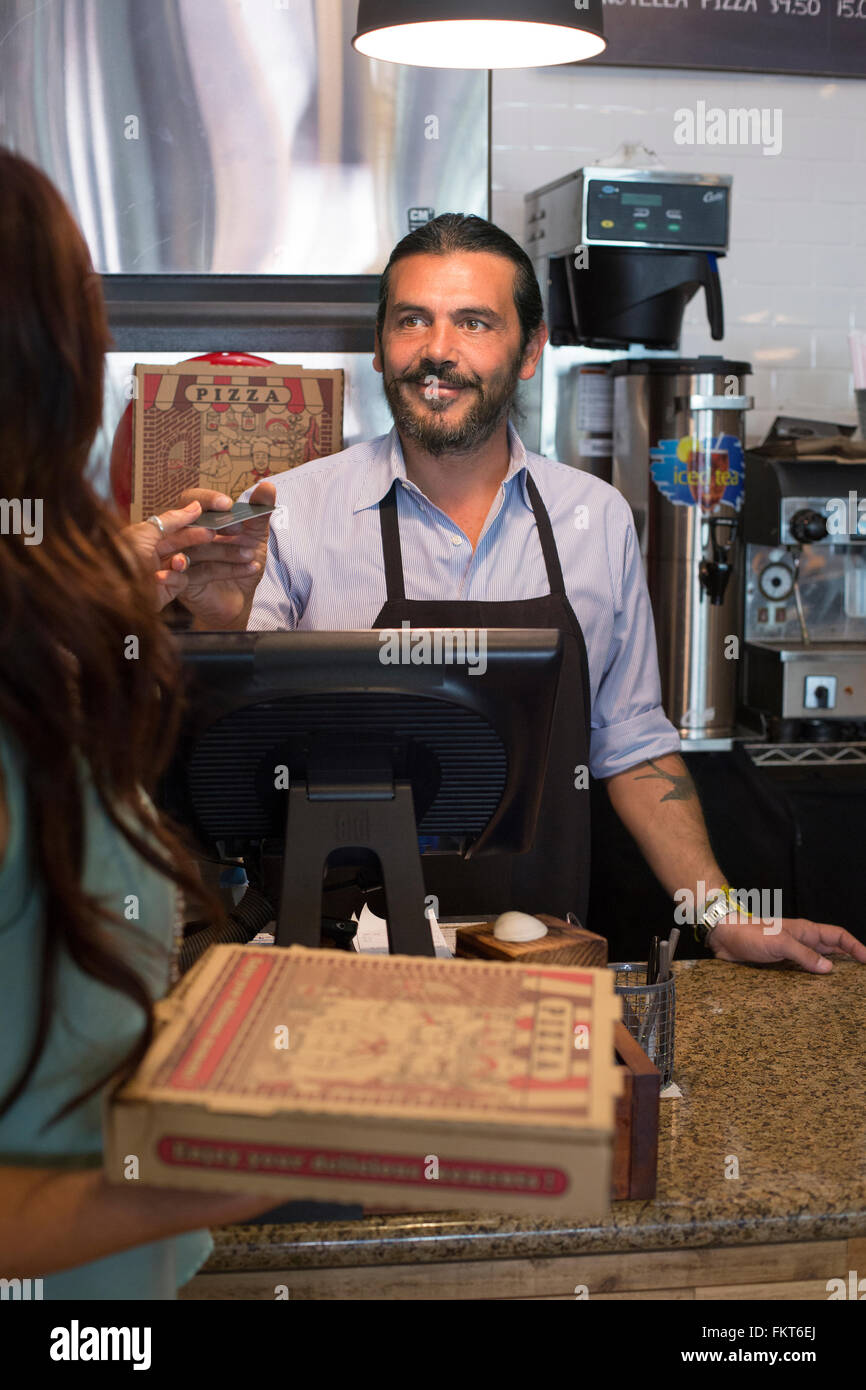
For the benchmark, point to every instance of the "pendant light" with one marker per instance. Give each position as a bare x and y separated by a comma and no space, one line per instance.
479,33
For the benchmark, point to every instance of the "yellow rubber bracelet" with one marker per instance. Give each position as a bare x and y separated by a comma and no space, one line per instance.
731,896
734,905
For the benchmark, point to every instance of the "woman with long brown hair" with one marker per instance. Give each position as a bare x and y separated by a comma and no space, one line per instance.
91,877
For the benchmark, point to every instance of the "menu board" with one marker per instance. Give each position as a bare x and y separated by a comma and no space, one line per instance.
824,38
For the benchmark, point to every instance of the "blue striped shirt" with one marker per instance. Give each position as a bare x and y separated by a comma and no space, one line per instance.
325,570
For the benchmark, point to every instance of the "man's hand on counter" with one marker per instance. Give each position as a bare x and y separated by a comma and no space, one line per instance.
223,574
658,803
791,938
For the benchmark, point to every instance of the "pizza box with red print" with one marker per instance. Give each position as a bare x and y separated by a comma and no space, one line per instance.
408,1082
226,426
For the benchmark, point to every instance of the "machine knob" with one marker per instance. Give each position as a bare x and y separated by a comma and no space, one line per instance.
808,526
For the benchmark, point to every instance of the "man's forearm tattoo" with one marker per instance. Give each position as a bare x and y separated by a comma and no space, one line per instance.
682,788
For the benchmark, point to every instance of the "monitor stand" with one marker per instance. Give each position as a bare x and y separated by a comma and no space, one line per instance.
375,817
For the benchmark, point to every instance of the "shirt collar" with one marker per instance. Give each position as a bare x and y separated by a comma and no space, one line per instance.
388,463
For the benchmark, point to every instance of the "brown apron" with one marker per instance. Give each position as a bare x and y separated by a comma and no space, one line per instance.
553,877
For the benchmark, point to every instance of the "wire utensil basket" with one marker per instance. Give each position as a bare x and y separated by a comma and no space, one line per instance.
648,1012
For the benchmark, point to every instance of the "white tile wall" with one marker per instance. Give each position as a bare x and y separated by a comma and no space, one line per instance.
794,282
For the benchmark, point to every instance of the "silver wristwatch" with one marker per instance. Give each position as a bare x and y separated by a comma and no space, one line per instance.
715,913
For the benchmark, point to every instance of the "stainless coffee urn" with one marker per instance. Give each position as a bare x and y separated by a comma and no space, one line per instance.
678,459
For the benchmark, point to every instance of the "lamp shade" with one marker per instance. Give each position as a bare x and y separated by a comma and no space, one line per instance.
479,33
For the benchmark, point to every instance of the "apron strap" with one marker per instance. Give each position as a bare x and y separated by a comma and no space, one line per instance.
545,535
394,587
394,584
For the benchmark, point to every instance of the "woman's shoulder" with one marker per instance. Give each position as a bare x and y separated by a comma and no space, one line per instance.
112,870
4,813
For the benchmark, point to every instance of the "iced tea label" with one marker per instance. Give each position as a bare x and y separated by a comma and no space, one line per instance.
705,473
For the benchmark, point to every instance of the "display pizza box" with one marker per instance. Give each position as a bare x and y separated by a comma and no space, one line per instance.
224,426
389,1080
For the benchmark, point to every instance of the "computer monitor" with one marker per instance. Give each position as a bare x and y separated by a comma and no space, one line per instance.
325,748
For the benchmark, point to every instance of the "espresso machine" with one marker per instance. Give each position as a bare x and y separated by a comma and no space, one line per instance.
619,253
804,654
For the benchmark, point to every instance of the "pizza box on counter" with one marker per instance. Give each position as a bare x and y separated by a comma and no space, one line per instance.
399,1081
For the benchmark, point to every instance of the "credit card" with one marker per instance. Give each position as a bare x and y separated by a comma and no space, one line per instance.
241,511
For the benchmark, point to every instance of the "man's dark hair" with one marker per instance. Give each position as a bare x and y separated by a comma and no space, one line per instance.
457,231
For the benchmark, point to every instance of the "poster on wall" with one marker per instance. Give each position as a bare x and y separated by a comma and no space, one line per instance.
820,38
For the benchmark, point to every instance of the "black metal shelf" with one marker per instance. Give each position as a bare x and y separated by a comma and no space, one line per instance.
242,313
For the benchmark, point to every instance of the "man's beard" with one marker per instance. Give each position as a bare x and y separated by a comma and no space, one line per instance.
427,422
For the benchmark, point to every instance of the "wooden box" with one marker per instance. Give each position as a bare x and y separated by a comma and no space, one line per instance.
563,945
636,1133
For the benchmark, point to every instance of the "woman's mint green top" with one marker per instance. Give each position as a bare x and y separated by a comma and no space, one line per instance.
92,1028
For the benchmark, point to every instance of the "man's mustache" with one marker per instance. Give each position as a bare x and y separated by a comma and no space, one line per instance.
421,378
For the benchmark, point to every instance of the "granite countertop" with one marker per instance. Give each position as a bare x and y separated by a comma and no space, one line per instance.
770,1062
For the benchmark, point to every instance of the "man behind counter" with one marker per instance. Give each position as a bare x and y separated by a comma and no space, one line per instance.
448,521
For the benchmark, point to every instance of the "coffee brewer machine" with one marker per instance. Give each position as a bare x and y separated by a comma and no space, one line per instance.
624,251
619,253
804,656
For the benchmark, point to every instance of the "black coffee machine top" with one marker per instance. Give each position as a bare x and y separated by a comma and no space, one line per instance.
623,252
